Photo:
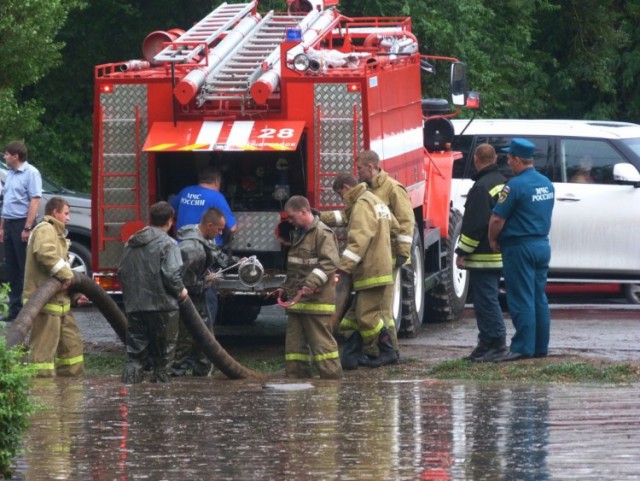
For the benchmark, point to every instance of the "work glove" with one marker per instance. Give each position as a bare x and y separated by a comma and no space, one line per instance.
400,261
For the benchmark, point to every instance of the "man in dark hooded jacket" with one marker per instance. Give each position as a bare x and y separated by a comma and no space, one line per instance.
151,288
199,256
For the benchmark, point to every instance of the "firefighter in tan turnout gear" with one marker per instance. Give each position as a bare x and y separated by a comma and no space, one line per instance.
395,196
311,265
367,258
55,343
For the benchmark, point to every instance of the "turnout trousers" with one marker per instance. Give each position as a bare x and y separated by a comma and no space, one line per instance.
55,345
309,340
387,303
189,355
367,317
525,273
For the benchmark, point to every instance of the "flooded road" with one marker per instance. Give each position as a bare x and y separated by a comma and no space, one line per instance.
206,429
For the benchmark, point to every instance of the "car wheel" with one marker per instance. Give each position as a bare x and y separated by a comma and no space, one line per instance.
80,258
632,293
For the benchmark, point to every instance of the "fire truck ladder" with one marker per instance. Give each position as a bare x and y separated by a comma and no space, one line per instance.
232,79
194,41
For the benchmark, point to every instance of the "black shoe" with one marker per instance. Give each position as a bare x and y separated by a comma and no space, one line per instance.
539,355
388,355
351,352
512,356
480,350
497,349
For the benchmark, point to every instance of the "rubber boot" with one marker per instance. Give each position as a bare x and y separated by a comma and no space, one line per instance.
388,354
351,352
480,350
497,349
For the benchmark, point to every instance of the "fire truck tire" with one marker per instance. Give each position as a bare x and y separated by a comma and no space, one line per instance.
445,302
412,283
230,311
632,293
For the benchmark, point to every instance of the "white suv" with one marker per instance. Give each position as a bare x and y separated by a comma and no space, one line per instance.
79,227
594,165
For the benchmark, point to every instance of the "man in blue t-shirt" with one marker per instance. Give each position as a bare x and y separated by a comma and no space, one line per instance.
192,202
519,228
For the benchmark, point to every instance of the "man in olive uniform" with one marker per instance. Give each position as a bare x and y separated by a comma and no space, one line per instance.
199,255
55,343
151,289
311,264
368,258
395,196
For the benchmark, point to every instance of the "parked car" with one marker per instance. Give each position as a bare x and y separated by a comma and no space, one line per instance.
79,226
594,166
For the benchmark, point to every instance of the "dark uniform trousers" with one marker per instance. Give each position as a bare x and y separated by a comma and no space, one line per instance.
308,339
15,253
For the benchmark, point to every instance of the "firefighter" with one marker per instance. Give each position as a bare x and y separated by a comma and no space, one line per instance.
367,258
151,289
395,196
199,257
55,343
311,263
484,265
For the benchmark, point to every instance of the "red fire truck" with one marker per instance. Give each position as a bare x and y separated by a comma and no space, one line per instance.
280,103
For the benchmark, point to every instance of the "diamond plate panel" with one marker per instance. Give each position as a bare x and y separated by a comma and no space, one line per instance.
121,145
336,131
255,232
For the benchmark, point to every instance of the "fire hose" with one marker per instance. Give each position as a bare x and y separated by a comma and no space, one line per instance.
19,329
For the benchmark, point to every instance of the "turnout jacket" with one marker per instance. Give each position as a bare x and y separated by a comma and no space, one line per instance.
150,272
368,253
312,261
395,196
47,256
474,241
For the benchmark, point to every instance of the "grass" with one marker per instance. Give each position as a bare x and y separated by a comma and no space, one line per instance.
543,370
538,371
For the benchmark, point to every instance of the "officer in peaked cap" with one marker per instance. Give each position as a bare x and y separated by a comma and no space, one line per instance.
519,228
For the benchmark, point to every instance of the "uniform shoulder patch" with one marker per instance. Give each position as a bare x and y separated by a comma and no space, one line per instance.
504,193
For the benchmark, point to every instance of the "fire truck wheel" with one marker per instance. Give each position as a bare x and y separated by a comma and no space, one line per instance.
445,302
232,311
412,284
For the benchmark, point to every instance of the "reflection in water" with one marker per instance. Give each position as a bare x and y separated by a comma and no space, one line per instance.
208,429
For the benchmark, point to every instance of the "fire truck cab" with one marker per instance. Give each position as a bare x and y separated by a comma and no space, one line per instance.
280,103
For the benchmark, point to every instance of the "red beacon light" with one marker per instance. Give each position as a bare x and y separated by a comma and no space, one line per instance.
353,87
106,88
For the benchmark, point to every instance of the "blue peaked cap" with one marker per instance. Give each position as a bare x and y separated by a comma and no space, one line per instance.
521,148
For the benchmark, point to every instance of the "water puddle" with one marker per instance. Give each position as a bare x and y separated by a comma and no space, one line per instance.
205,429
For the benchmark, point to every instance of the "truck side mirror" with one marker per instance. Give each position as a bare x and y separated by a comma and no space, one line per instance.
459,83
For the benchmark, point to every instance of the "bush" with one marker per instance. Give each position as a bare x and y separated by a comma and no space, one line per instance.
15,405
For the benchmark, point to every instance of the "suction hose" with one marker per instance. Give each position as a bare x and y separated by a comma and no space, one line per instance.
19,329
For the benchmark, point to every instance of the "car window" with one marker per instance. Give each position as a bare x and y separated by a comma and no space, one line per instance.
464,144
588,161
543,160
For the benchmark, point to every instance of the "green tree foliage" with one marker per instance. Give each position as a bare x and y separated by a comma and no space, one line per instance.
28,50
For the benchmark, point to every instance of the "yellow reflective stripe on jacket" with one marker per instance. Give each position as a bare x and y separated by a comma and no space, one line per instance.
43,366
55,308
373,281
486,261
300,306
294,356
467,244
70,361
326,356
